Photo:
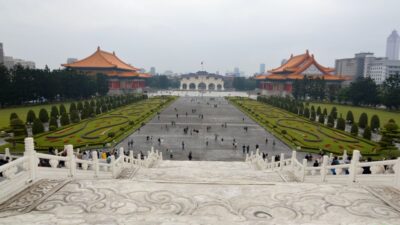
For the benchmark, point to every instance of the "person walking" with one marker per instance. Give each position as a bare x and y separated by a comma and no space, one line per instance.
190,156
244,149
183,145
248,149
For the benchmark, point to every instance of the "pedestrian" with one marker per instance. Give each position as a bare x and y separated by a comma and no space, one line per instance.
248,149
183,145
190,156
257,146
273,143
207,142
266,140
244,149
171,155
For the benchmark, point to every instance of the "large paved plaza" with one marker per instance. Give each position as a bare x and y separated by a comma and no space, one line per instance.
216,112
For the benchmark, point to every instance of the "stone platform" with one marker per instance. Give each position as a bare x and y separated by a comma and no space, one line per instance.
179,192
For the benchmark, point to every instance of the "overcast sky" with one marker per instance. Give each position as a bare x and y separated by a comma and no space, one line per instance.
178,34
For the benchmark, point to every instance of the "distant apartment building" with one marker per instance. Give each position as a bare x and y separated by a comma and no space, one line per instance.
393,46
152,70
10,62
1,53
367,65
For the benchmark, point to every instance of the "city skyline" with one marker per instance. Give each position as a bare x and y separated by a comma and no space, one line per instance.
194,31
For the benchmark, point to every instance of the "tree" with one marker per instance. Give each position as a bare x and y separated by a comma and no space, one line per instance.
331,121
389,134
80,107
321,119
363,120
62,109
74,117
391,91
72,107
313,115
64,119
17,127
102,84
375,123
30,117
363,91
37,127
354,129
350,117
367,133
341,124
13,116
319,111
306,113
54,112
333,112
53,122
43,115
325,112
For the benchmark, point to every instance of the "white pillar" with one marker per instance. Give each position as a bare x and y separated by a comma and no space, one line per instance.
303,170
353,166
281,161
323,168
95,159
121,153
32,160
113,170
131,157
71,160
293,159
397,173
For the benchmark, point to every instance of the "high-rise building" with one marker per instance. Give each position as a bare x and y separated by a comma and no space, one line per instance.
393,46
10,62
353,67
236,72
1,53
262,68
153,70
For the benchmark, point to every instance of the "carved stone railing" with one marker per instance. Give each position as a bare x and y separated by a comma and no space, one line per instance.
22,172
385,172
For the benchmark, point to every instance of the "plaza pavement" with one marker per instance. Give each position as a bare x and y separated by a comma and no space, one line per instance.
217,150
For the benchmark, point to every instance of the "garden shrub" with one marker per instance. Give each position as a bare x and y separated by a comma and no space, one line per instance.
331,121
284,132
43,115
64,120
72,107
54,112
52,128
30,117
341,124
321,119
111,134
367,133
62,109
37,127
74,117
375,123
350,117
13,116
354,129
122,128
319,111
306,113
363,120
17,127
325,112
53,122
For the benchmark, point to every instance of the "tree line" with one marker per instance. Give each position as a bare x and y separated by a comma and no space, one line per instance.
20,85
59,116
362,91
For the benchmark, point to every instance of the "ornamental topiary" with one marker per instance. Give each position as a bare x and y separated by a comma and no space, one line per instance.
350,117
30,117
43,115
375,123
367,133
363,120
341,124
354,129
37,127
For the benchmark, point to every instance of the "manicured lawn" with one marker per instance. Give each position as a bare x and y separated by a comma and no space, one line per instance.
94,132
22,111
384,116
296,131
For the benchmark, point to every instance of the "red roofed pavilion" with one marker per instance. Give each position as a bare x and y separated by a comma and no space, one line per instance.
279,81
123,78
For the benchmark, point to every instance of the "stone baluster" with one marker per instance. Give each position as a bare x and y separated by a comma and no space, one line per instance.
397,173
303,170
323,171
293,159
344,155
113,167
139,158
32,160
121,153
353,166
281,161
7,154
71,160
131,157
95,163
272,162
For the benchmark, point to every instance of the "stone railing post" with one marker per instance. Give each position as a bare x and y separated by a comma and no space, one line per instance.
353,166
323,171
7,154
139,159
272,162
344,154
397,173
293,159
113,169
32,160
95,159
281,161
121,153
131,157
303,170
71,160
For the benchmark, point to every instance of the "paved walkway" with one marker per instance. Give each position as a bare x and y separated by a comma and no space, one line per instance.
218,150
